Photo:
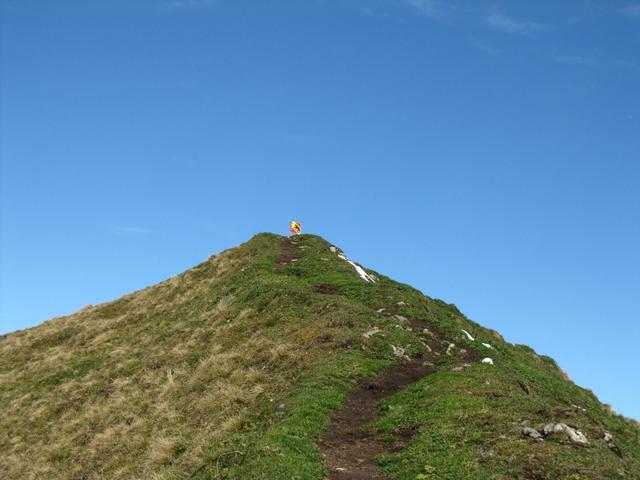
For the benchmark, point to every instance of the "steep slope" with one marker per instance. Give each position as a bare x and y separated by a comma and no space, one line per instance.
279,359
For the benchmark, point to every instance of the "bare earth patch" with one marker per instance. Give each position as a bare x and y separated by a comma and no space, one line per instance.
289,252
348,446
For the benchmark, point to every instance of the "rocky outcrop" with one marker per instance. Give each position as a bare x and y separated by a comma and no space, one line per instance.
573,434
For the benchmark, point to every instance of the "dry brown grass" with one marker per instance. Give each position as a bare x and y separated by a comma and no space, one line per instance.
142,387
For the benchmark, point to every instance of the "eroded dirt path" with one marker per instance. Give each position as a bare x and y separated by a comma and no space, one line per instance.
349,450
289,252
348,446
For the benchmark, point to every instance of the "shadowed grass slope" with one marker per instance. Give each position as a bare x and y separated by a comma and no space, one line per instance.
231,370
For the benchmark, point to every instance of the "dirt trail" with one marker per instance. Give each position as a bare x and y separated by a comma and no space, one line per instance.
350,449
289,252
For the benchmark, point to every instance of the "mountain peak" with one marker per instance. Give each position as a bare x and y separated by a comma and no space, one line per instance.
268,359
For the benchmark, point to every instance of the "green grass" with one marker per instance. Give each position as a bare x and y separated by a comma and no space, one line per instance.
231,370
288,431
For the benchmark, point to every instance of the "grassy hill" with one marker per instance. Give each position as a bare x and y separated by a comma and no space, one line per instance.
279,360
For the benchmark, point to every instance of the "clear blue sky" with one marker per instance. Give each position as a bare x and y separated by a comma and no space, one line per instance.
487,153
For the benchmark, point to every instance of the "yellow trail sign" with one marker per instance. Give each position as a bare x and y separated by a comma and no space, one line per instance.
295,227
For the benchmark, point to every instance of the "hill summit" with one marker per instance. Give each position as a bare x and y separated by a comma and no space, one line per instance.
284,359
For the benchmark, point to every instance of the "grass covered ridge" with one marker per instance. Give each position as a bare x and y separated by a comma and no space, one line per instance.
231,369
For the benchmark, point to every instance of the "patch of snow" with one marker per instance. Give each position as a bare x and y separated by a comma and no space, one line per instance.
468,334
401,303
487,345
449,348
364,275
487,360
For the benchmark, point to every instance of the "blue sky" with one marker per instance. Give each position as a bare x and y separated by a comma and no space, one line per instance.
485,152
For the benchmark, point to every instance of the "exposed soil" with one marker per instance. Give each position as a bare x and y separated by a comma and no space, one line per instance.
530,473
289,252
348,446
350,450
326,288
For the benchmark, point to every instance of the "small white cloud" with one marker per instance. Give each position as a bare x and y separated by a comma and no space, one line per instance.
431,8
578,60
588,11
632,10
368,11
184,4
439,10
507,24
